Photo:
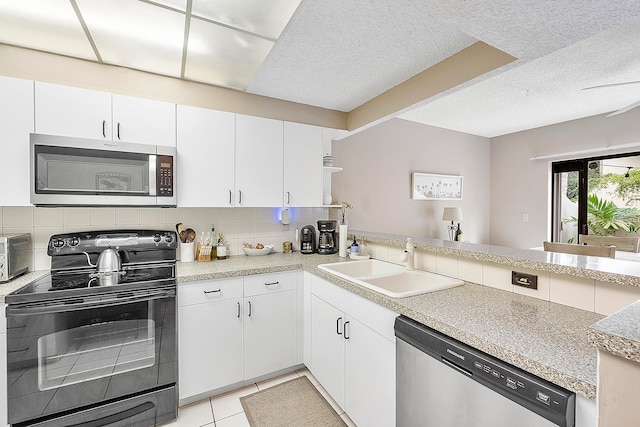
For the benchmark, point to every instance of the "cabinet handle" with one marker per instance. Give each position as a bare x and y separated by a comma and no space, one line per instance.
104,128
238,310
212,292
249,308
344,328
230,194
338,320
288,198
239,197
118,130
272,283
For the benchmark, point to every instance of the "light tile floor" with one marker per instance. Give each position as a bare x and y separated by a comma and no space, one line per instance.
226,410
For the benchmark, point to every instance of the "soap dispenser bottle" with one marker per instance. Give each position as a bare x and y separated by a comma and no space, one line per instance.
355,248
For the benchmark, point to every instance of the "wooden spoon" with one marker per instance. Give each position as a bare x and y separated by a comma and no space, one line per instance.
191,235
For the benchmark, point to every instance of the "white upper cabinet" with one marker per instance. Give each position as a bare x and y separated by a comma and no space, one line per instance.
259,162
83,113
302,165
70,111
206,140
16,122
144,121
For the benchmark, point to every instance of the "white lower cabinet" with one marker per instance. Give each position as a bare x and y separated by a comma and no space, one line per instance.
353,353
209,335
232,330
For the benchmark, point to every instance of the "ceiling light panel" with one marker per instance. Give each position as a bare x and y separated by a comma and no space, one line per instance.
48,25
265,18
135,34
223,57
181,5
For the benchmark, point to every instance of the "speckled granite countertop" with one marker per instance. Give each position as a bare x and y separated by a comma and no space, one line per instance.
619,333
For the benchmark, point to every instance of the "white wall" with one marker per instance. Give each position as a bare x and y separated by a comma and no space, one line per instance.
378,163
521,185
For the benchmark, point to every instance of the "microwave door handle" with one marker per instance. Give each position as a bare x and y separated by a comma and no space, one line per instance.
153,174
62,308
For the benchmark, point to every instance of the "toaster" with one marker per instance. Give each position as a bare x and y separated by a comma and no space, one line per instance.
16,255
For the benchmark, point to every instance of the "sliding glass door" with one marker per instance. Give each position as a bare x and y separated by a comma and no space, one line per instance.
595,196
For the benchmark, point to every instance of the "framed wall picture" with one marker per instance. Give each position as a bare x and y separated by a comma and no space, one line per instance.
428,186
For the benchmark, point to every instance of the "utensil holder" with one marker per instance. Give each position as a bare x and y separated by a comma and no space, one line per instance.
187,251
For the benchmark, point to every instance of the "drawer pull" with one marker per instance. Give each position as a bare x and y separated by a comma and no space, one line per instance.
212,292
272,283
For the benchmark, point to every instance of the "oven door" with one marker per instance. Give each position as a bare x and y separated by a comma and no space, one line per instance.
71,354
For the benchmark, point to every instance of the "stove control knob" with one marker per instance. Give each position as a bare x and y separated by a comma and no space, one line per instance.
157,238
58,243
74,242
168,238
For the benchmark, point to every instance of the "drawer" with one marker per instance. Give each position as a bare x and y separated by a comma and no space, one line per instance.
208,291
272,282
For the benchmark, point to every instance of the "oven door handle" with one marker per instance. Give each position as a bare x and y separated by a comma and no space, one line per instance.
61,308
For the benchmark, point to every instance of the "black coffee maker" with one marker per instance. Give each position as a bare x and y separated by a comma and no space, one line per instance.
307,239
327,237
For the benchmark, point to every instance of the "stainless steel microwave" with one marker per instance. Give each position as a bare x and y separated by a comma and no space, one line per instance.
69,171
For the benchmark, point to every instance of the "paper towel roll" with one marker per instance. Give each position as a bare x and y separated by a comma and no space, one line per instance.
342,246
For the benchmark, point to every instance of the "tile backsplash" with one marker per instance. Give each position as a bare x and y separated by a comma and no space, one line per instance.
251,225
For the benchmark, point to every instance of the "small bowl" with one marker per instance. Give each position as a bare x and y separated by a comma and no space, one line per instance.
254,252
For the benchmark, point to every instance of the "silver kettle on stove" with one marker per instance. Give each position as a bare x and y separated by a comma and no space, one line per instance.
109,261
107,267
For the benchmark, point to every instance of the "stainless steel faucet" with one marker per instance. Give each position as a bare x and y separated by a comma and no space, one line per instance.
408,254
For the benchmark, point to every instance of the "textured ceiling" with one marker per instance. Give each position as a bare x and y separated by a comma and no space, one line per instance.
341,54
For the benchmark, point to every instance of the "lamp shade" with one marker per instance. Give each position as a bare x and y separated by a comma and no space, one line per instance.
452,214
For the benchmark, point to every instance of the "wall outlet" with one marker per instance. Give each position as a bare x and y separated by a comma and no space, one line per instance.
525,280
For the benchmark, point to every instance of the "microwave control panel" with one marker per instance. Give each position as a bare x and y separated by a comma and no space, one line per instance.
164,179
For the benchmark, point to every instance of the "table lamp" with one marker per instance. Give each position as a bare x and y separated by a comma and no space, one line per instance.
453,215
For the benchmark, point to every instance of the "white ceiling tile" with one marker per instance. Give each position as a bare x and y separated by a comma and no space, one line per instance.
221,56
339,54
265,18
136,34
48,25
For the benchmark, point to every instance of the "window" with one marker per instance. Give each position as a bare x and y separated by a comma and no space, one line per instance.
596,196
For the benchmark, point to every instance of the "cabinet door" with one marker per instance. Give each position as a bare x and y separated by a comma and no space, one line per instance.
259,162
144,121
370,381
210,346
327,347
270,333
16,122
70,111
302,165
206,140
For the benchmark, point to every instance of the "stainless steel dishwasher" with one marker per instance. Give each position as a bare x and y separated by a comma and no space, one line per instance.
445,383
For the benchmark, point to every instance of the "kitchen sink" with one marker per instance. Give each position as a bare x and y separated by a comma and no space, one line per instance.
390,279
